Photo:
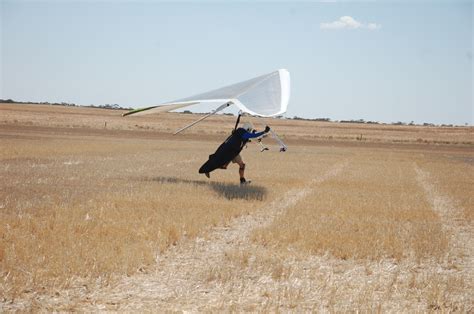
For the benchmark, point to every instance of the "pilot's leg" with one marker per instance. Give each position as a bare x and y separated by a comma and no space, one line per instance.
238,160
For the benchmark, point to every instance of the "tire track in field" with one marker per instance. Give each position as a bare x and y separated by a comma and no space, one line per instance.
460,234
181,280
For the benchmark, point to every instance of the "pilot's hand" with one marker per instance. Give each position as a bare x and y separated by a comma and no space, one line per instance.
267,129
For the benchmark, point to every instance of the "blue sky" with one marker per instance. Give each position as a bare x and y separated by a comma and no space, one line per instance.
383,61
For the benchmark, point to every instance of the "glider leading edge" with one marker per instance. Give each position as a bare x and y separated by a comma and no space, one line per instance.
264,96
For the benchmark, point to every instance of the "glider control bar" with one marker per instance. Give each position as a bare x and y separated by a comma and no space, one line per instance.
283,147
222,107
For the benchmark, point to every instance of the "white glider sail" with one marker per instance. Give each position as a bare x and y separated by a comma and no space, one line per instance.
266,96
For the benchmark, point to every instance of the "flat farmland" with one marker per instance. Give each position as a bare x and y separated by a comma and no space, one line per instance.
101,212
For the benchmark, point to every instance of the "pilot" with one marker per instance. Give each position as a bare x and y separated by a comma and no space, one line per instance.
236,142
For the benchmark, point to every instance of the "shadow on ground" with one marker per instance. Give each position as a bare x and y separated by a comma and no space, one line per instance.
228,190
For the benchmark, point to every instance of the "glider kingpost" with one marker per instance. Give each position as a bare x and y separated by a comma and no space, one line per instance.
264,96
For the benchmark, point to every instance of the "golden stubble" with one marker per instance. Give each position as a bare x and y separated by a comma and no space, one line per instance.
453,174
374,209
82,207
97,207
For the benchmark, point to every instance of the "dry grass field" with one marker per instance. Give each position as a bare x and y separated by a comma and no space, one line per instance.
100,212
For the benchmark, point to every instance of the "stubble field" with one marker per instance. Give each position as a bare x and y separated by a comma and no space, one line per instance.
100,212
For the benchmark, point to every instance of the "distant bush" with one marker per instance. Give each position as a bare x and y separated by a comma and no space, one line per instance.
353,121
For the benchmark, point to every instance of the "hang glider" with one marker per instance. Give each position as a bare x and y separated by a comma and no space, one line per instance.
264,96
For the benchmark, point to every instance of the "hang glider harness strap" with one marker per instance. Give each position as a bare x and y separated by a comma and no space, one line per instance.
222,107
238,120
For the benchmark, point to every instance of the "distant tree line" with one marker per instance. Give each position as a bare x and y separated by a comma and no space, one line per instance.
118,107
362,121
106,106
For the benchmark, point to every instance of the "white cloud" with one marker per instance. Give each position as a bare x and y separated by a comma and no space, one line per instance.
348,22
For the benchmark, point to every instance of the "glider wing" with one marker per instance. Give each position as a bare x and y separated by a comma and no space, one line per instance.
266,96
158,109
